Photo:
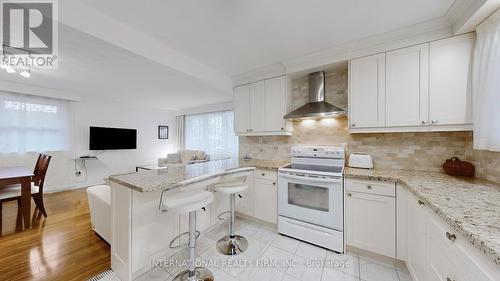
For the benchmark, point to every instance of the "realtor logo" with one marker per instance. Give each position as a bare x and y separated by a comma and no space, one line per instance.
29,33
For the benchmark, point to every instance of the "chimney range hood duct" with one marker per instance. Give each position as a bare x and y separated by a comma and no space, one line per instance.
317,107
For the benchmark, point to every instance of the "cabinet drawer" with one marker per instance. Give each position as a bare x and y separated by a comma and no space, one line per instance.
266,175
372,187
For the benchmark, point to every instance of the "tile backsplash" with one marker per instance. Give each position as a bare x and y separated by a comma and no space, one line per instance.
423,151
407,151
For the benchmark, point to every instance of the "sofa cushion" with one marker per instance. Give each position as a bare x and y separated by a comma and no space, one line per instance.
188,155
173,158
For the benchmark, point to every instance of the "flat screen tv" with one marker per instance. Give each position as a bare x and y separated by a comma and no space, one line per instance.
112,138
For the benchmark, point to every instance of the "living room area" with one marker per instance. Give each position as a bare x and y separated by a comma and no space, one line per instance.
86,143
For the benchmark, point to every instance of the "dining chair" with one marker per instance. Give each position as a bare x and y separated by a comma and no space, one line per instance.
13,192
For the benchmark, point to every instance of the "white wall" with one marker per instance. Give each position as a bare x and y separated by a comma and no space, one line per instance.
91,112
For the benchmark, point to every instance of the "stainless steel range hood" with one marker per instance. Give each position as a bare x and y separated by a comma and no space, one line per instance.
317,107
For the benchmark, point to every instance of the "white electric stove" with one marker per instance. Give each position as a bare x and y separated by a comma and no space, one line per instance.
311,196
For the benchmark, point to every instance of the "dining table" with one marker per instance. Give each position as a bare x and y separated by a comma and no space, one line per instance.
19,175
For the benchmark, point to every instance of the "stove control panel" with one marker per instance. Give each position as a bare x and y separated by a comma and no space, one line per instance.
318,152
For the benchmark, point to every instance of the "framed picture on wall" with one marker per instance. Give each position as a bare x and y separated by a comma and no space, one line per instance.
162,132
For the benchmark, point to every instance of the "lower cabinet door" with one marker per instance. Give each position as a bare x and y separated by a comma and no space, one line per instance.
439,261
266,200
371,223
417,217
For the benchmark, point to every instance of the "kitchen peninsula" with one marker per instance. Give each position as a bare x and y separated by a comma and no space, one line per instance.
140,233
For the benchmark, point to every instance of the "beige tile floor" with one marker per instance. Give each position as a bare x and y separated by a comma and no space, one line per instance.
273,257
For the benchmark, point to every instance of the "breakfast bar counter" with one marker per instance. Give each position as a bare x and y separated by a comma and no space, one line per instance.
140,232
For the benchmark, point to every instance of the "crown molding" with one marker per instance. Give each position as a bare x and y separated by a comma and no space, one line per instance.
416,34
472,13
258,74
412,35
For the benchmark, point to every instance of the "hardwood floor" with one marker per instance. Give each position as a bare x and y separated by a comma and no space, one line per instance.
59,247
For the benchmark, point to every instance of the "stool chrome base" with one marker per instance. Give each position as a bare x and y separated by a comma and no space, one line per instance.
232,246
202,274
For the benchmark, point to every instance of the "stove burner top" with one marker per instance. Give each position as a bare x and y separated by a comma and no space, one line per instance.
315,168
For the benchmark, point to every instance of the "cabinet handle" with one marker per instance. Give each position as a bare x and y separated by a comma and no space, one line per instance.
263,174
451,237
424,122
369,187
353,125
449,279
274,183
282,129
349,194
420,202
434,121
204,209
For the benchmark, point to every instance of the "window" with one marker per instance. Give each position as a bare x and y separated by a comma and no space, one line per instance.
213,133
486,85
33,124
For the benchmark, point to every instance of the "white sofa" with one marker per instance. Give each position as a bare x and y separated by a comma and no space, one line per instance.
99,197
184,157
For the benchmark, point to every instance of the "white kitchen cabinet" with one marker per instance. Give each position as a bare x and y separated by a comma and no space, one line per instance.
259,108
451,255
275,104
371,217
450,80
416,238
266,198
242,109
407,90
419,88
439,266
437,252
367,92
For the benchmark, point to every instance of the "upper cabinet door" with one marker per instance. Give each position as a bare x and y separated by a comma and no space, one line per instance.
275,104
407,89
242,109
450,80
367,92
257,106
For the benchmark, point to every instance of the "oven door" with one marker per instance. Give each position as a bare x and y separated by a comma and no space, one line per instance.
312,199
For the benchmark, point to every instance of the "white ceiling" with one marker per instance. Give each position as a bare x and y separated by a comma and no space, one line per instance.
235,36
92,67
197,42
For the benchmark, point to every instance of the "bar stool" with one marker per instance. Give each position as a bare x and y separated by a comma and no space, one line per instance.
188,202
232,244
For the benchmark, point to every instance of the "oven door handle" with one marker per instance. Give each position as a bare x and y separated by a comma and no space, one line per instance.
317,179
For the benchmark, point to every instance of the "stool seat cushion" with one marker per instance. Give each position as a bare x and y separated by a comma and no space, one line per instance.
187,201
230,187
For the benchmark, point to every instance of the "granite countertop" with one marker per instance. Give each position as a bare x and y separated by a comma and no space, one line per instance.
262,164
470,205
179,175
